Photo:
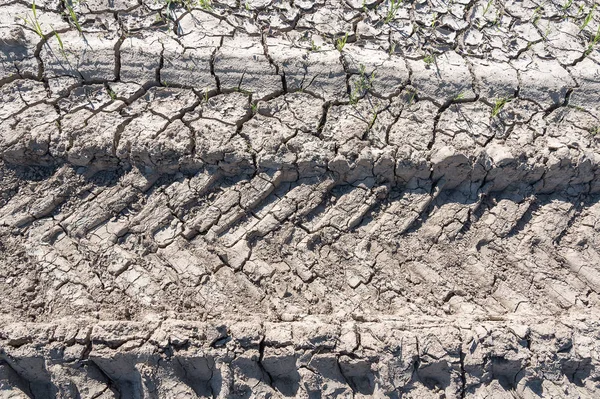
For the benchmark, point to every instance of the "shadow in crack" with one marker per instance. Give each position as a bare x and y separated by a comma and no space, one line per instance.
199,373
359,374
283,371
12,382
28,173
29,374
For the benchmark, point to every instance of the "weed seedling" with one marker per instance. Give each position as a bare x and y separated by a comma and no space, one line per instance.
60,43
498,105
34,23
588,18
434,20
595,40
314,47
487,7
429,59
547,31
362,85
460,96
393,48
412,93
73,16
206,5
537,14
392,11
111,93
189,4
341,42
243,91
373,117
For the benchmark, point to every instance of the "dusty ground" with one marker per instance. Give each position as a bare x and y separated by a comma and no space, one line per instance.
299,199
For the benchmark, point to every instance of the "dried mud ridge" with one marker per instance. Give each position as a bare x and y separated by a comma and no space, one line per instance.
417,358
310,199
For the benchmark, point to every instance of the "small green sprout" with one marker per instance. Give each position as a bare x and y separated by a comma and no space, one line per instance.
362,85
434,20
412,93
487,7
111,93
61,46
498,105
429,59
567,5
341,42
205,5
60,43
392,11
460,96
314,47
254,108
34,23
537,14
547,31
373,117
588,18
243,91
393,48
206,95
595,40
73,16
577,107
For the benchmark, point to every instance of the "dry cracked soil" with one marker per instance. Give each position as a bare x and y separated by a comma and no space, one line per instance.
299,198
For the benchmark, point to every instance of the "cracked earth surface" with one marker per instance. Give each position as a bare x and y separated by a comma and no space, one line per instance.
299,199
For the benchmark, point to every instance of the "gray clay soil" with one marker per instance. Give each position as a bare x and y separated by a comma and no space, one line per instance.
299,198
